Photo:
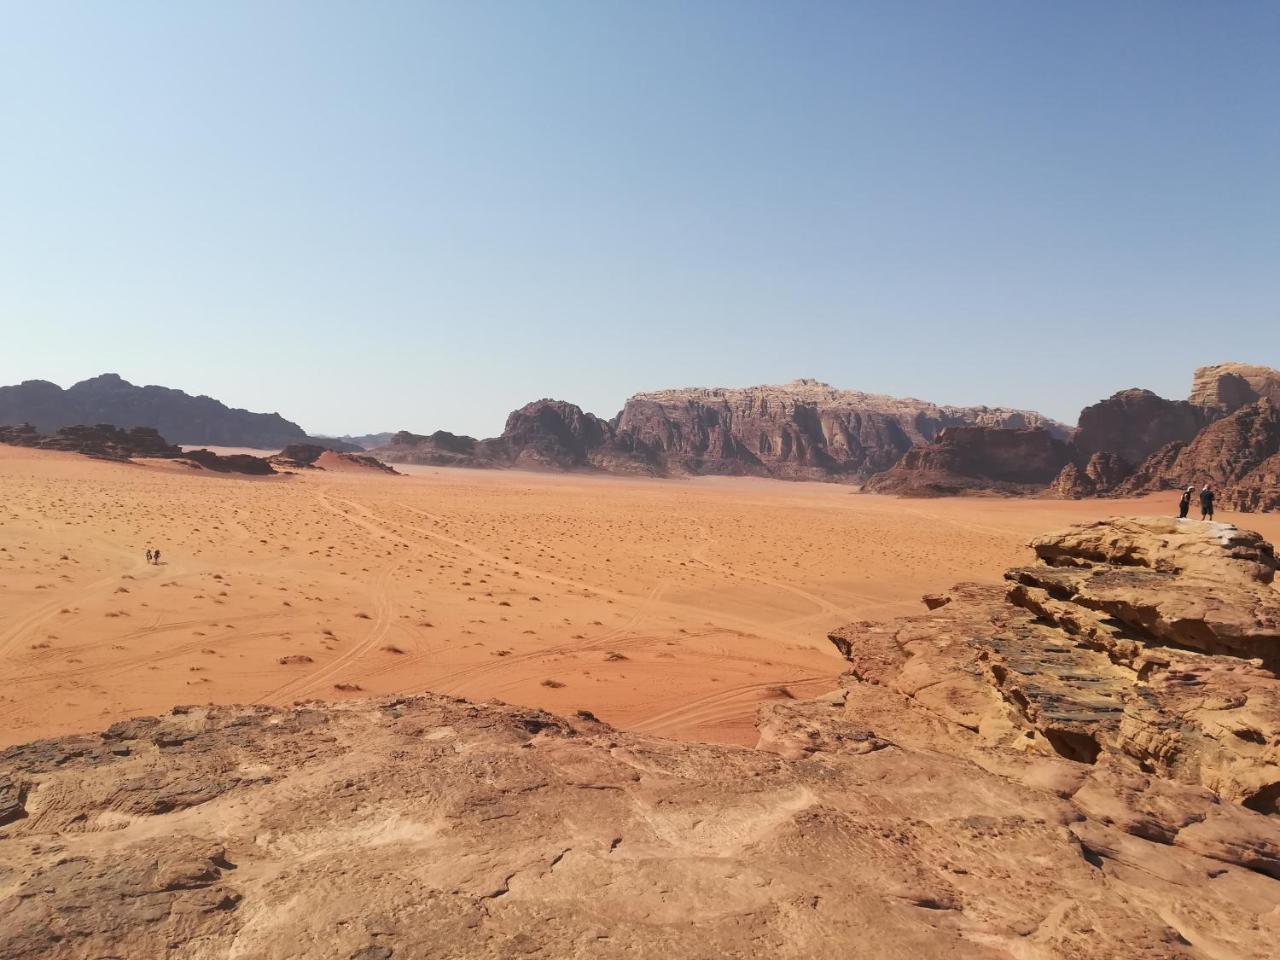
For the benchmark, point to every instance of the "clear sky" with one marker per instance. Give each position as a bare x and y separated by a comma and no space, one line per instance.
375,215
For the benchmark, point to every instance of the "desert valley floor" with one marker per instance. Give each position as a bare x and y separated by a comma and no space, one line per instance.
665,606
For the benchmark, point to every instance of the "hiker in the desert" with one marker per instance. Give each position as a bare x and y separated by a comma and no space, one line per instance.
1184,504
155,555
148,554
1206,503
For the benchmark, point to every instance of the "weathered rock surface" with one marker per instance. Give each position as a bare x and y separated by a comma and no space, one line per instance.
977,459
111,399
1145,648
543,435
1133,424
1229,454
1226,387
801,430
1015,774
1137,442
102,440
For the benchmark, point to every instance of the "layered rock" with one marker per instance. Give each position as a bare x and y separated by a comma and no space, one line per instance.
801,430
977,459
1226,387
177,415
1133,424
1228,454
1145,647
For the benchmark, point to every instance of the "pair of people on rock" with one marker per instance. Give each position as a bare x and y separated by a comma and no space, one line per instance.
1206,503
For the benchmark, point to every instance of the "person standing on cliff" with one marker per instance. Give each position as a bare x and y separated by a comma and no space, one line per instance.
1184,504
1206,503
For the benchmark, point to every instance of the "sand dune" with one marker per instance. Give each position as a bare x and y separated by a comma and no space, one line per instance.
665,606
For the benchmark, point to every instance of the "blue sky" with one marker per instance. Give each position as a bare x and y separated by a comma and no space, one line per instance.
379,215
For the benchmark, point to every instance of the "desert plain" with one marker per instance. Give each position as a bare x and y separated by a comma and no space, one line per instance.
663,606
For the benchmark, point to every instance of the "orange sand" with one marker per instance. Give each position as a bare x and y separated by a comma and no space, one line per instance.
667,606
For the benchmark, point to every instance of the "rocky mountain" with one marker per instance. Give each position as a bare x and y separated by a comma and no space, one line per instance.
801,430
1137,443
972,459
1133,424
350,444
179,416
804,430
1081,764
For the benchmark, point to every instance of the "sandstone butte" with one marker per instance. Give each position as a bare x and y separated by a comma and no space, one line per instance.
1083,763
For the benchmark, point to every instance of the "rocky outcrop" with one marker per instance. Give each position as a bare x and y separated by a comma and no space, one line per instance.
543,435
1035,771
311,456
1229,454
1136,442
977,459
1147,647
230,462
802,430
1101,473
1133,424
179,416
1226,387
102,440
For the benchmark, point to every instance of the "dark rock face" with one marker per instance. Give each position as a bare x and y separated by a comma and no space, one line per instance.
101,440
177,415
312,456
230,463
545,434
1133,424
1229,454
804,430
973,459
1103,472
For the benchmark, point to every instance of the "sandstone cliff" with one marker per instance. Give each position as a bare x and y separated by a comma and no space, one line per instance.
179,416
1137,443
1085,765
977,459
1225,387
801,430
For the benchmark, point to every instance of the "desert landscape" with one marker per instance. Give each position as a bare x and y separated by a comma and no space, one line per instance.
667,606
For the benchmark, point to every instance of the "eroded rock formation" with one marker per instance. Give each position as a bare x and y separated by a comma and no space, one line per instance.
972,459
1226,387
1082,764
102,440
543,435
230,462
801,430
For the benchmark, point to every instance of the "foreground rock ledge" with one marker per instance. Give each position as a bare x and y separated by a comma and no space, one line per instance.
1019,773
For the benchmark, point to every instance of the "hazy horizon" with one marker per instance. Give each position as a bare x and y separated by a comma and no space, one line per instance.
423,216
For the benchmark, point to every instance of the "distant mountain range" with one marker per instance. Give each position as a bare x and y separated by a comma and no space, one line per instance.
1227,433
178,416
